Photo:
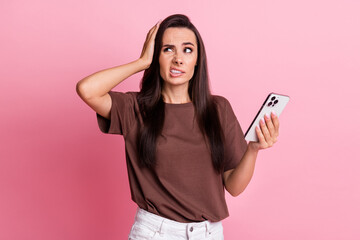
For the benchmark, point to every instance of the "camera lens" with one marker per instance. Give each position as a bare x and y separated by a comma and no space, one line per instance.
276,101
273,98
269,104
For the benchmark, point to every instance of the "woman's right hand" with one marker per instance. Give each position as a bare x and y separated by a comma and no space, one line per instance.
149,45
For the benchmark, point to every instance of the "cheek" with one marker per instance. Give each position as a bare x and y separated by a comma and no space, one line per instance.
163,66
193,63
162,63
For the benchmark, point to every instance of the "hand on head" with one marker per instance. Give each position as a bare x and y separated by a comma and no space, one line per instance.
148,48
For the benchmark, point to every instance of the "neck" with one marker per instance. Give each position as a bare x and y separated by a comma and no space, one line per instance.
175,94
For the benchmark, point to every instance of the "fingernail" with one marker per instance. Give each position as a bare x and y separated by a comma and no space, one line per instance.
267,116
262,121
273,113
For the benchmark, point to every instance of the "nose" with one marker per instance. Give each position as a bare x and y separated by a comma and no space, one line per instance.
177,59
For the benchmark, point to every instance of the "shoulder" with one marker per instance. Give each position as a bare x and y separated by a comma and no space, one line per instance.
221,102
224,108
123,96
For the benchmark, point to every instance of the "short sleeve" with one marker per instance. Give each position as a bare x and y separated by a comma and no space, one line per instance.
235,143
122,114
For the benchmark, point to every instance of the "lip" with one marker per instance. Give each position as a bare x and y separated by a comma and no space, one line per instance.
172,68
176,74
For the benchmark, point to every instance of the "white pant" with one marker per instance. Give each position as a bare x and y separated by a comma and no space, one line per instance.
151,226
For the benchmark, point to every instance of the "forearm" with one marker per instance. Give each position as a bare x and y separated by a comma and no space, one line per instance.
239,178
100,83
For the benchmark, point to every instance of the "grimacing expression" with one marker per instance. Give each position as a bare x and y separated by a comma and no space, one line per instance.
178,56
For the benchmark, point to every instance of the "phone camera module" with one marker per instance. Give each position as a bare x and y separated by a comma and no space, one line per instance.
272,103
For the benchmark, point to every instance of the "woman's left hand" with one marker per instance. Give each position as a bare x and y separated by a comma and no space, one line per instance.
267,133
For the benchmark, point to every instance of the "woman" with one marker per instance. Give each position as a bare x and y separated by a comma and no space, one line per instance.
183,145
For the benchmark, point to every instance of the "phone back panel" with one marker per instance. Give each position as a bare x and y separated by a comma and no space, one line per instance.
274,102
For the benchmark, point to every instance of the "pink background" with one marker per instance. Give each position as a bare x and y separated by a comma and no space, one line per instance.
61,178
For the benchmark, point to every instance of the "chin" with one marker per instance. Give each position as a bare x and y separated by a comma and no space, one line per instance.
176,83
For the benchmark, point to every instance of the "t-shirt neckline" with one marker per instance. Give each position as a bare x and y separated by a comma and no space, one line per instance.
176,105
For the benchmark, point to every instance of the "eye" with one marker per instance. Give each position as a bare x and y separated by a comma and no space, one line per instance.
167,49
188,50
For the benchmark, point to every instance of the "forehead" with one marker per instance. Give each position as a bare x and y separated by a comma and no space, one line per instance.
177,35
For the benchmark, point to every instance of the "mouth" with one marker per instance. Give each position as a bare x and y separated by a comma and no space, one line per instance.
176,72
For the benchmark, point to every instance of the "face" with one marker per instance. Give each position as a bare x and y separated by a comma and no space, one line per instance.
178,56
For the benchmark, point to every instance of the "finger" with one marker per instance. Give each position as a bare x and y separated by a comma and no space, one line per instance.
270,125
261,137
154,30
276,123
259,134
150,32
274,133
266,132
150,38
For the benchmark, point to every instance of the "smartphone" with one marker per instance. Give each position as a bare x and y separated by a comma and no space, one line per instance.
274,102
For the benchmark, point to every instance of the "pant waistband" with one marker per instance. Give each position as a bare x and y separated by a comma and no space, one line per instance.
166,225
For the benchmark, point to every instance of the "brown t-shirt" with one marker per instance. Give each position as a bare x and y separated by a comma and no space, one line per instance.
184,186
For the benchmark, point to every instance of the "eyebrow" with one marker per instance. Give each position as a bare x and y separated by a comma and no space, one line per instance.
185,43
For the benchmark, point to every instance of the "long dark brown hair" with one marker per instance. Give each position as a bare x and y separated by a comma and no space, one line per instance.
152,105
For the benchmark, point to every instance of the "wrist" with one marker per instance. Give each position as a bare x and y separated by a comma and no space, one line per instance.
253,148
143,64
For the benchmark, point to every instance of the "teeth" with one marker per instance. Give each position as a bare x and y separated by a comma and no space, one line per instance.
175,71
